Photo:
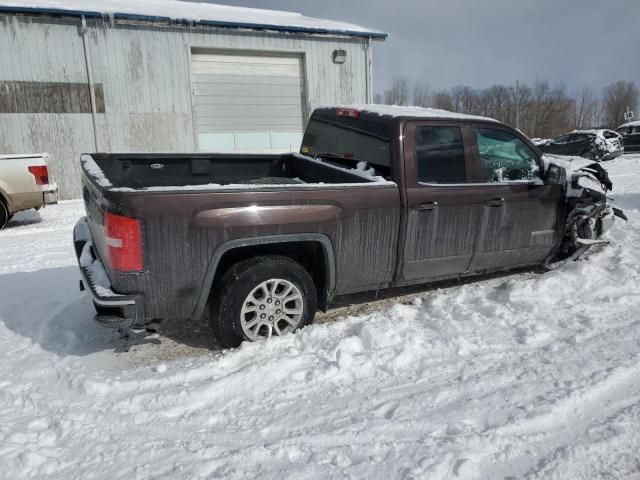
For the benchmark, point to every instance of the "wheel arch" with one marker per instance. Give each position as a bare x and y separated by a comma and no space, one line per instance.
304,244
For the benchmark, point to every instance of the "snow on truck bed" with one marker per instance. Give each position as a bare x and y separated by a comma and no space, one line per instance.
522,376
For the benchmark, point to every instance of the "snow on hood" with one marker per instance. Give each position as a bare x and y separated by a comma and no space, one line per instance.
196,12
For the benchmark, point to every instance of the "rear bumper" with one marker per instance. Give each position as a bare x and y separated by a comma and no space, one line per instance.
115,310
50,194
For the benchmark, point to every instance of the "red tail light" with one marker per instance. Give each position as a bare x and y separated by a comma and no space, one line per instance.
124,242
348,112
41,172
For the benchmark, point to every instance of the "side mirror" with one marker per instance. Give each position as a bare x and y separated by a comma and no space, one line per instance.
555,175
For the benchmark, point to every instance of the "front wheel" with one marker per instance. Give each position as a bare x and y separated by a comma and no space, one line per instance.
260,298
589,155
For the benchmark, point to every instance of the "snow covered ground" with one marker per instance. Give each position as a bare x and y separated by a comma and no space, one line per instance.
523,376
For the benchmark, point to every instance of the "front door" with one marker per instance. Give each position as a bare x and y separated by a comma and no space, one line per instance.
519,211
442,216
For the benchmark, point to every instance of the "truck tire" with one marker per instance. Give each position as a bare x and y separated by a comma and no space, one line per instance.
4,215
262,297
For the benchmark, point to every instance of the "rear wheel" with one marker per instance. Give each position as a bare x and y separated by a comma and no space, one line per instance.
260,298
4,215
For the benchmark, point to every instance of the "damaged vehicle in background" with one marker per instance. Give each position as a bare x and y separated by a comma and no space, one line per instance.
378,197
596,145
630,136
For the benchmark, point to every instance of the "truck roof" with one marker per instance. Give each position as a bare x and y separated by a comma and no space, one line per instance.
396,111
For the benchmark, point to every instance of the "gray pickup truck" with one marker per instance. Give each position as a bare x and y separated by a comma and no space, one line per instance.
378,197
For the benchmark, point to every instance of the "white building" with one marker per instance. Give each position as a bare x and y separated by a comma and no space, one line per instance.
163,75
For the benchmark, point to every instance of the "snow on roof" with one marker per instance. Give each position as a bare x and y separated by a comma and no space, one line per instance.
204,13
635,123
409,111
595,131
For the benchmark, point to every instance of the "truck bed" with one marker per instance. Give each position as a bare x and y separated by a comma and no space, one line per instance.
192,207
162,172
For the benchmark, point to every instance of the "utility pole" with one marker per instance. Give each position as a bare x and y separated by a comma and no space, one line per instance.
517,105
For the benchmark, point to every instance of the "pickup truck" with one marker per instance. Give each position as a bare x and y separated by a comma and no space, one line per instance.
24,184
378,197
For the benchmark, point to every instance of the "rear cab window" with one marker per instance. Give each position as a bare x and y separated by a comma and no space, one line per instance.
347,141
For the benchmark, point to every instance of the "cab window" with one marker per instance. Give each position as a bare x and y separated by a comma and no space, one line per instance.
504,157
440,155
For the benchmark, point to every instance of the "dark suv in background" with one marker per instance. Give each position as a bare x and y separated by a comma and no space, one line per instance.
630,136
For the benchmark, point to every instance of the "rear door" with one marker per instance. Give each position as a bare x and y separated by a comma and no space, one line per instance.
443,213
580,143
519,212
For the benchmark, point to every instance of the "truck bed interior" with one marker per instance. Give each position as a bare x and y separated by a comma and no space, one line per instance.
139,171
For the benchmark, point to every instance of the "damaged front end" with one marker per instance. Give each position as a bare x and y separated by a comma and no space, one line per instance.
588,212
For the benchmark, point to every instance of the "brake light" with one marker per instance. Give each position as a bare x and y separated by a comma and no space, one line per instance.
41,172
124,242
348,112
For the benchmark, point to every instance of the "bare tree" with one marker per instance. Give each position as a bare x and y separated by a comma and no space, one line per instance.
546,114
421,95
496,102
377,98
398,94
616,97
464,99
443,100
586,109
542,110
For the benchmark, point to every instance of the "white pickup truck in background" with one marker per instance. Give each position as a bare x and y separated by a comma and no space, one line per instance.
24,184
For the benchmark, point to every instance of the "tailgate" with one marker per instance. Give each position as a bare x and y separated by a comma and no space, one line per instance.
95,204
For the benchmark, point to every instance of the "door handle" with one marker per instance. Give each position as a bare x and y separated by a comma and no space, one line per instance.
495,202
426,206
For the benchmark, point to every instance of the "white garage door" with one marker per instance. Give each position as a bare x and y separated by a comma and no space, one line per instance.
247,103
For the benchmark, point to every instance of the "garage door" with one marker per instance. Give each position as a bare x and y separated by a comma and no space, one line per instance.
247,103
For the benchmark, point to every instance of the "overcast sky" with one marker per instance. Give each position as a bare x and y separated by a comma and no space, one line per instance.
445,43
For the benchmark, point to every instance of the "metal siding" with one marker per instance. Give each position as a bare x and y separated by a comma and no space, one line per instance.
145,73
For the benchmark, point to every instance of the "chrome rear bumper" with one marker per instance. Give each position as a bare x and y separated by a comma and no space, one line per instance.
117,310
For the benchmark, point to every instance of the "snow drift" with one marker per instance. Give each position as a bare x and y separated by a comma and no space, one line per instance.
526,376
